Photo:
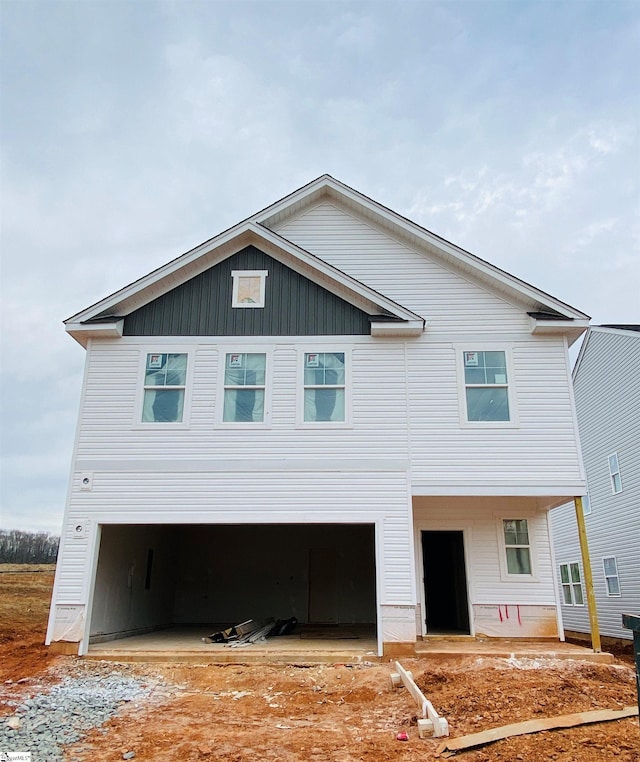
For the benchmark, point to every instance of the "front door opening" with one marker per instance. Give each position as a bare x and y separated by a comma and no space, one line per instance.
445,583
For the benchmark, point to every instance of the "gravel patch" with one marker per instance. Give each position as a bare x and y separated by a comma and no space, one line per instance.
87,696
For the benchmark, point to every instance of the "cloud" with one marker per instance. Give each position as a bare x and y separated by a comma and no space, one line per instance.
132,132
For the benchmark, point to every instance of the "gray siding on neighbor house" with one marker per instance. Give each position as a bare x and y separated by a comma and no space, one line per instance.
607,392
294,306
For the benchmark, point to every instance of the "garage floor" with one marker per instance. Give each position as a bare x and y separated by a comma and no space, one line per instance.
185,644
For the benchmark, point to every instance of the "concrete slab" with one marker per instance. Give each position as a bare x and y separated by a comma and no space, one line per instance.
184,644
505,649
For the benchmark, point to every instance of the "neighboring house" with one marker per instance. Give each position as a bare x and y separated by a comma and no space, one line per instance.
325,412
606,381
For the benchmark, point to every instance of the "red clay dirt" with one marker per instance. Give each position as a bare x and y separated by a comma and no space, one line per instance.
269,713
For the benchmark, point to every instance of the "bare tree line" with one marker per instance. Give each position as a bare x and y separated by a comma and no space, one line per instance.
18,547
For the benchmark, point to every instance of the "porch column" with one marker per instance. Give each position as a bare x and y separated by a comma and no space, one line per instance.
588,578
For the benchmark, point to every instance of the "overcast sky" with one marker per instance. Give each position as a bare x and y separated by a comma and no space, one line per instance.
132,131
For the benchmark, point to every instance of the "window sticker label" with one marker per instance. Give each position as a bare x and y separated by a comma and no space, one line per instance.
470,359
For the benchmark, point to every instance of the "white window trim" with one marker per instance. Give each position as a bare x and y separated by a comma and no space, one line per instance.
611,576
472,346
300,422
177,349
236,275
240,348
505,576
571,585
586,504
613,474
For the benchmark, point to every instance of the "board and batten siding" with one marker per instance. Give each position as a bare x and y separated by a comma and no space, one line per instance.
607,393
293,305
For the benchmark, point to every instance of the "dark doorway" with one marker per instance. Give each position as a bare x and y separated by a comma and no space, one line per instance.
445,583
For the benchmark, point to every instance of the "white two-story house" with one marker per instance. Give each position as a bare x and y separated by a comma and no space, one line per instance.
325,412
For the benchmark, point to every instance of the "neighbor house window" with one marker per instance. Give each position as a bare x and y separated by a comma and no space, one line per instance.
165,380
324,386
611,575
244,387
517,546
571,584
614,473
586,505
486,385
248,288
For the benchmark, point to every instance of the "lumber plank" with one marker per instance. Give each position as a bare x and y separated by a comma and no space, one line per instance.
452,745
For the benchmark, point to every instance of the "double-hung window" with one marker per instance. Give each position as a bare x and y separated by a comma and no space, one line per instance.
165,380
517,546
486,386
611,578
571,584
244,387
324,387
614,473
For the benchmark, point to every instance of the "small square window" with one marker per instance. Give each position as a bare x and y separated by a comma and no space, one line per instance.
249,288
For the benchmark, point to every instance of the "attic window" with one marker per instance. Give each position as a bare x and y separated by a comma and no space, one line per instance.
248,288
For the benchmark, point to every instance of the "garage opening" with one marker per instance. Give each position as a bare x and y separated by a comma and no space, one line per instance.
208,577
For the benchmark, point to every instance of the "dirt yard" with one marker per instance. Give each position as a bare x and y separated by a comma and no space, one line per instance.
242,713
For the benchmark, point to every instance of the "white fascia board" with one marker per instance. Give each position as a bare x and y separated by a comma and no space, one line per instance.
162,272
404,329
572,329
82,332
465,259
553,492
228,243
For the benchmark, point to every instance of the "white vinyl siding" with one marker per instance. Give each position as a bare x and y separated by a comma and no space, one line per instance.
477,515
277,497
451,302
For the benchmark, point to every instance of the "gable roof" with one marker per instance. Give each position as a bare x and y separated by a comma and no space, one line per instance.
630,330
547,314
